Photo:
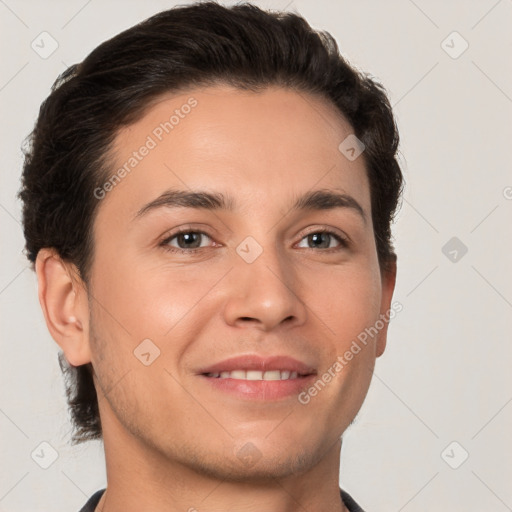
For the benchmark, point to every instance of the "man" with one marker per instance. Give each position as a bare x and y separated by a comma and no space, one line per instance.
207,204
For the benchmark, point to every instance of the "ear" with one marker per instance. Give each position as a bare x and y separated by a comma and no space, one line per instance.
63,299
388,279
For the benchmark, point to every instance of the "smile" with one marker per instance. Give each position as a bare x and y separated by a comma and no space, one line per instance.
255,375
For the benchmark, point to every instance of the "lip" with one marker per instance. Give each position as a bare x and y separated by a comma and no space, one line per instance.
256,362
259,390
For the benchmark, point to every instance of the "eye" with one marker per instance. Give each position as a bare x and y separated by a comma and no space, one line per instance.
187,241
322,240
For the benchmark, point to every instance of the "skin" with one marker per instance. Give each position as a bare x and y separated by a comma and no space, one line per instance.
172,442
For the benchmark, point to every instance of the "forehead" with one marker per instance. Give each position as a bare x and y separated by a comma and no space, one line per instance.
261,147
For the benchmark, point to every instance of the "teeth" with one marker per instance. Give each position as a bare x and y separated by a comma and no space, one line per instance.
255,375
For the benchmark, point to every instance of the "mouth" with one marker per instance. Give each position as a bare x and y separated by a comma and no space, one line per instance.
253,377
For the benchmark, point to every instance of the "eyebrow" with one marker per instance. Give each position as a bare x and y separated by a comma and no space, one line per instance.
316,200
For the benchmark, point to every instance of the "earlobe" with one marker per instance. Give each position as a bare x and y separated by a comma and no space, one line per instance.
64,303
388,287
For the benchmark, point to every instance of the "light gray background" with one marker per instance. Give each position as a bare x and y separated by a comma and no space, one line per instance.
445,375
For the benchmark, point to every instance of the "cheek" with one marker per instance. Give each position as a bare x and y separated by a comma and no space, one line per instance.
168,306
347,307
346,299
348,304
144,302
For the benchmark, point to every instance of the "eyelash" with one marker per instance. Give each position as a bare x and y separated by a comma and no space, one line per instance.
344,242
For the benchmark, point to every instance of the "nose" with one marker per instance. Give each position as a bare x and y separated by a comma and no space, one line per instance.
263,293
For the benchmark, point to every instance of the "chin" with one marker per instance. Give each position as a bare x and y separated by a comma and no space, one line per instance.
250,464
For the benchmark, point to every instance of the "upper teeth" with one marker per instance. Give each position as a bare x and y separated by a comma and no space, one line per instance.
256,375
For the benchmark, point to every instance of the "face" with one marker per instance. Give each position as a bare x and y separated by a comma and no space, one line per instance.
234,265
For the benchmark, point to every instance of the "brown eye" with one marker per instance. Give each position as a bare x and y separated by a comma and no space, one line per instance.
322,240
319,240
187,240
